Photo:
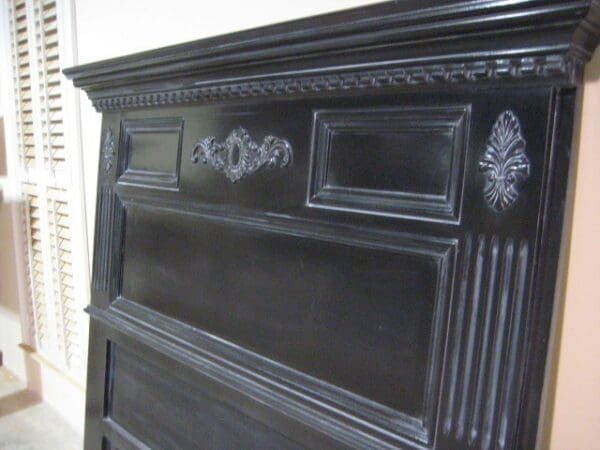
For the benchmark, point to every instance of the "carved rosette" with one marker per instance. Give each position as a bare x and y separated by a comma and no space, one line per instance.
240,156
108,149
504,162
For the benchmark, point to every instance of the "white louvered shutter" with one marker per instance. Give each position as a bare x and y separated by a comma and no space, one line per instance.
56,290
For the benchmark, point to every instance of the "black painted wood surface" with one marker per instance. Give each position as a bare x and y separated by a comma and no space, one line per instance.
338,232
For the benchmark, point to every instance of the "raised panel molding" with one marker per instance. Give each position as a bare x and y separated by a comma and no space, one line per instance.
348,418
430,143
355,413
128,413
151,163
486,343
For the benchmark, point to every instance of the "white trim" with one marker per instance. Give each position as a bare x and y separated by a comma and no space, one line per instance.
67,40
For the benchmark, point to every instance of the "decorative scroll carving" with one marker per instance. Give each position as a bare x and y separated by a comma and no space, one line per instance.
108,149
548,66
504,162
239,155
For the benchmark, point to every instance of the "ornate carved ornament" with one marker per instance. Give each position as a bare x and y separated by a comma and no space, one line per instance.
504,162
549,66
240,156
108,149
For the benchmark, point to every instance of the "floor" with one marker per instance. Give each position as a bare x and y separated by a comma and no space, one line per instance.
28,424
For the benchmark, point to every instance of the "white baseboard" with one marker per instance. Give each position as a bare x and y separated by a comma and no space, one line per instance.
56,388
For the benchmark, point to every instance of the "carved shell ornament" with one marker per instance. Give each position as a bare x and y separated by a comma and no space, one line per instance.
108,149
504,162
240,156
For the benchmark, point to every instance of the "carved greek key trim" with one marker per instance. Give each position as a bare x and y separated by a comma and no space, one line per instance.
547,66
504,162
108,149
240,156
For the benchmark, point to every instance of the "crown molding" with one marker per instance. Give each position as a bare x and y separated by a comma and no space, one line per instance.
388,44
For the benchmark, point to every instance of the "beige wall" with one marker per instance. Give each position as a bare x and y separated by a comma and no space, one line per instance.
576,418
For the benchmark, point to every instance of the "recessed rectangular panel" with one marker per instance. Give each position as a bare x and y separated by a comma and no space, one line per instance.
150,152
405,162
155,405
355,310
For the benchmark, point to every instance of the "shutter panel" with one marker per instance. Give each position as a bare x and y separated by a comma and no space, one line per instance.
55,309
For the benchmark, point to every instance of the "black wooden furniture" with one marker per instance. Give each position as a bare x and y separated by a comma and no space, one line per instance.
338,232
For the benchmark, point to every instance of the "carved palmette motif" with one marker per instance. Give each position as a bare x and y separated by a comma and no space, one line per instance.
504,162
239,155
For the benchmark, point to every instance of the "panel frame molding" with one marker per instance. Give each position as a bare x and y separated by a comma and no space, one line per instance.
149,178
398,204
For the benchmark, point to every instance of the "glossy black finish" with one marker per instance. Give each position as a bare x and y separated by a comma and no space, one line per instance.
341,232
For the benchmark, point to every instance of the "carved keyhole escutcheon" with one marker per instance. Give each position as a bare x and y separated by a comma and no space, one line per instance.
240,156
